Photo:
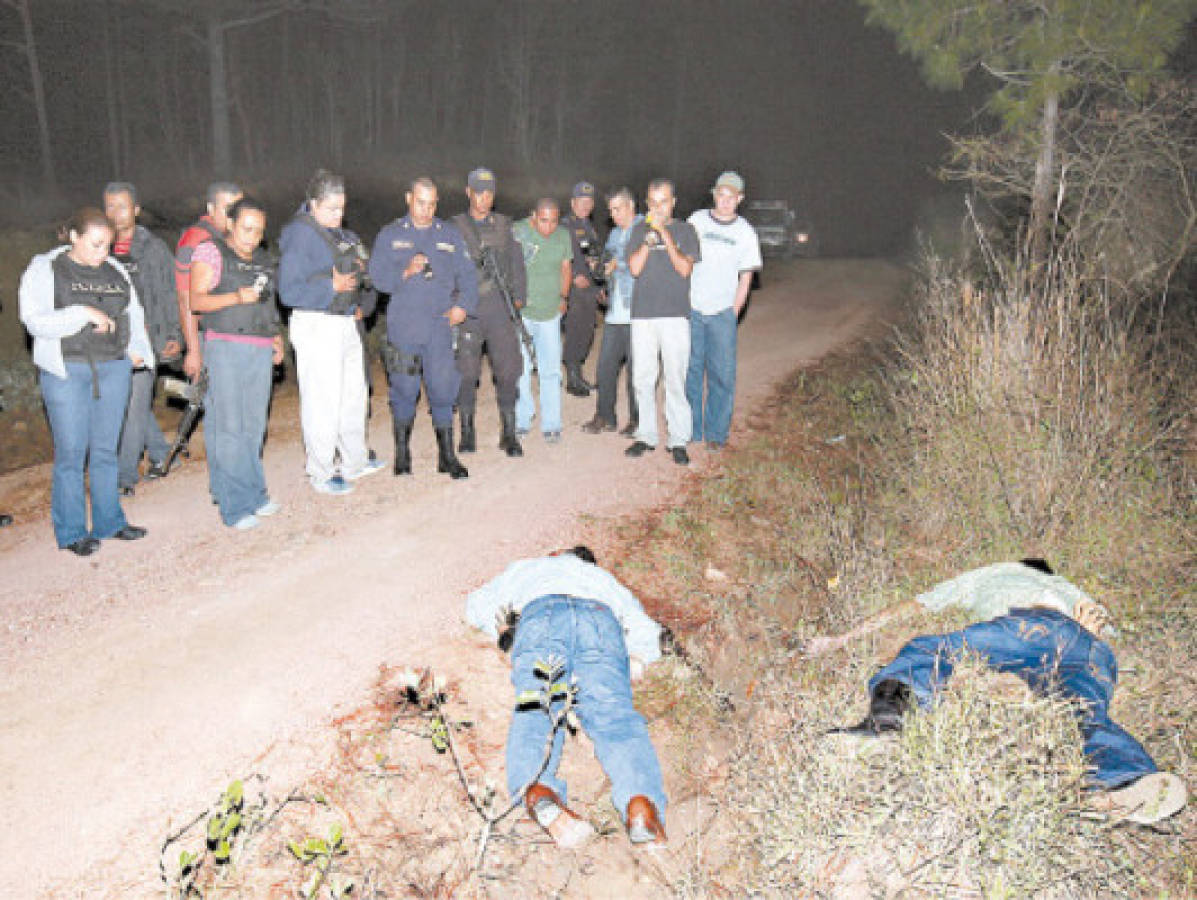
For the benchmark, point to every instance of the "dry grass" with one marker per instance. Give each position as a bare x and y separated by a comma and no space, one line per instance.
1019,413
1008,427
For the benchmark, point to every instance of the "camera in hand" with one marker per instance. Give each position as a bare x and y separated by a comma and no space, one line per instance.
595,261
427,270
651,236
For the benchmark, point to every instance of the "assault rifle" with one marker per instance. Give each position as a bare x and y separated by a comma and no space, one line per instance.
194,395
489,264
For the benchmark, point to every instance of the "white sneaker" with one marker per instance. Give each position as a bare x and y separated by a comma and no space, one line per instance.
335,485
245,523
1146,800
269,508
371,466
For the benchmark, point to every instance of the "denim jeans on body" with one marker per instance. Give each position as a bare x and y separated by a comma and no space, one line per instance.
141,433
616,351
588,637
546,339
239,382
85,431
662,347
1053,655
712,373
332,393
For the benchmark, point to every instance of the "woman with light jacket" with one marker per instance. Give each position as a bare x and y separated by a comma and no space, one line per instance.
88,330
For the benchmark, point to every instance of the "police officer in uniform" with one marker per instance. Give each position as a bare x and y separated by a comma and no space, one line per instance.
584,292
493,327
423,264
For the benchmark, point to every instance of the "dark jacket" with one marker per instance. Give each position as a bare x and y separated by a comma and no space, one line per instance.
155,283
305,269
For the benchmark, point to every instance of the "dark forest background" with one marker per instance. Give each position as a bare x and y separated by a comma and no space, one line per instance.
806,101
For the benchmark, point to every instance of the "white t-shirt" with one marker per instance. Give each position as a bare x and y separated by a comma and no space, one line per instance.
993,591
529,579
728,248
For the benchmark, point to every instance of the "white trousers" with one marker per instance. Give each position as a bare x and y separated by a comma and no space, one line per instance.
332,393
661,347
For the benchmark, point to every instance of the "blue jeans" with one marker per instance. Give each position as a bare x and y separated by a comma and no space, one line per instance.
141,433
85,431
586,634
546,338
1053,655
713,361
239,382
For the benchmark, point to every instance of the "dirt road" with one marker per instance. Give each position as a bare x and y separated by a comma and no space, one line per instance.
139,681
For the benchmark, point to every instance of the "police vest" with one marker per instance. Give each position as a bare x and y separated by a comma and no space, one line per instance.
259,318
496,235
103,288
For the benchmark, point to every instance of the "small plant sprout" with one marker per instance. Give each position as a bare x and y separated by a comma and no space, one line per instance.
321,854
227,830
225,823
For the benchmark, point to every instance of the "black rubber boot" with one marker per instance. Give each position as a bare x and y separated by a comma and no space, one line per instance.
509,441
402,448
468,442
575,383
446,460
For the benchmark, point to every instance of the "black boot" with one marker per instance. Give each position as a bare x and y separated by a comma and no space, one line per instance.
468,444
889,703
575,383
402,448
509,441
446,460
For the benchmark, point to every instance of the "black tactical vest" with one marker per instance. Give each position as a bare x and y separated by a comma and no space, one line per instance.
261,318
495,234
103,288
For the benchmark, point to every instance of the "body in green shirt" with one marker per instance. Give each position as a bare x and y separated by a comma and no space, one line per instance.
543,256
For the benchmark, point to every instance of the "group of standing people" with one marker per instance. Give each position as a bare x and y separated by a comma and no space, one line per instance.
673,292
113,302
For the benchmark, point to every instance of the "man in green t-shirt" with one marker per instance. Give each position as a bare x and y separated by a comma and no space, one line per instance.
548,256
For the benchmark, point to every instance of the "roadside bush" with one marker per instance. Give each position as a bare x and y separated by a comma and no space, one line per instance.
1035,419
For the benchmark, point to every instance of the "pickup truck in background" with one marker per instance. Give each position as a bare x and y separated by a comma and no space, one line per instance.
782,233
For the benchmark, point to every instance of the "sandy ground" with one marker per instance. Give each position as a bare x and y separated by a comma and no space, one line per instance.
139,681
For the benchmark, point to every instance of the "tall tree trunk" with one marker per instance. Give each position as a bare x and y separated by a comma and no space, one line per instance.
1045,171
39,94
110,102
222,151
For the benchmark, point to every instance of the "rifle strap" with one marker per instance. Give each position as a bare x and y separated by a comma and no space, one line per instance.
311,222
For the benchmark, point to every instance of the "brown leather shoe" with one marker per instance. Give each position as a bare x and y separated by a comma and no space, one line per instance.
629,430
597,425
644,825
567,830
